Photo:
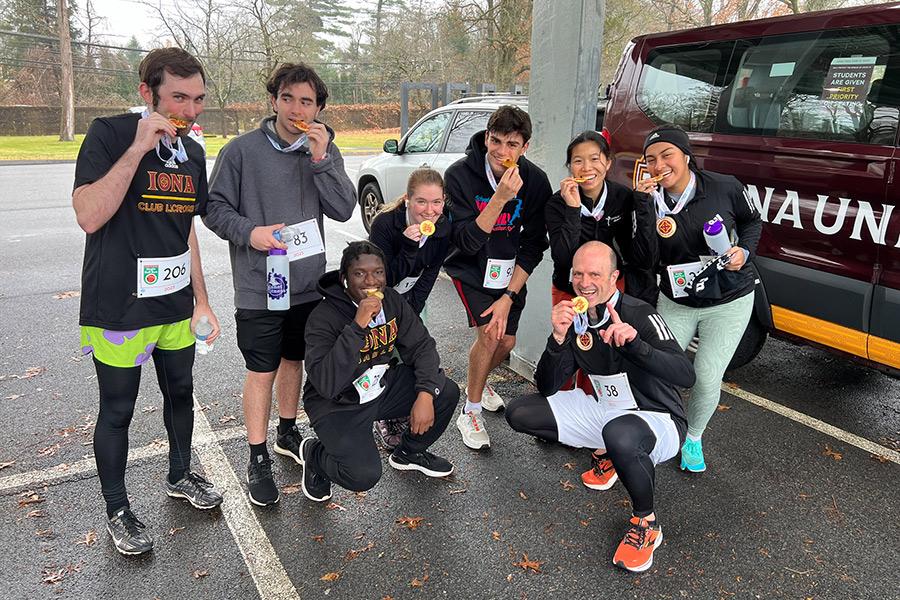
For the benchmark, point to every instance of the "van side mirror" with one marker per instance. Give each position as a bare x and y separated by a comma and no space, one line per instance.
390,146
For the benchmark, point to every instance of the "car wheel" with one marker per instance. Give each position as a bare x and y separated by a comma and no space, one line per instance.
370,203
754,337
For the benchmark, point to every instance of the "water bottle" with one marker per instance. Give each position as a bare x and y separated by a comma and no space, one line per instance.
202,331
278,280
716,237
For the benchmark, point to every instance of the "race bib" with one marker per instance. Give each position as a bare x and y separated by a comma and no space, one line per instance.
306,240
681,276
406,285
498,272
163,276
368,385
613,391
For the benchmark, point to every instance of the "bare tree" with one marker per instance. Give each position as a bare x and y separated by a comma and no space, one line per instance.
67,85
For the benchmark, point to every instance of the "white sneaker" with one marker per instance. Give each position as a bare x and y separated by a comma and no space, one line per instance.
471,426
491,400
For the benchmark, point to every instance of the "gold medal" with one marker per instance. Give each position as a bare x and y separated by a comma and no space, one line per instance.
579,304
426,227
666,227
585,341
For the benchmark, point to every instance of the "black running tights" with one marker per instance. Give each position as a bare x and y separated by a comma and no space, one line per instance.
118,393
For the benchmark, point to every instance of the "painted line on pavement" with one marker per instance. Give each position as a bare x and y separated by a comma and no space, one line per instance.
262,561
813,423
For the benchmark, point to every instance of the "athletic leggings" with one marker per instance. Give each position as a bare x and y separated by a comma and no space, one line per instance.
629,442
719,330
118,393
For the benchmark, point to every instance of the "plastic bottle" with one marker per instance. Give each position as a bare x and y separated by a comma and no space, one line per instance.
716,237
202,330
278,280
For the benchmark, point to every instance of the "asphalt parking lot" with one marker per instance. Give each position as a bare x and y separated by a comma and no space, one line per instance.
800,500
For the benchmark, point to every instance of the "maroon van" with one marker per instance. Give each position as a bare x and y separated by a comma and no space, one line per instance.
803,110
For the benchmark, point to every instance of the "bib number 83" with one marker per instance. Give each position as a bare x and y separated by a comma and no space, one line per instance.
300,238
170,273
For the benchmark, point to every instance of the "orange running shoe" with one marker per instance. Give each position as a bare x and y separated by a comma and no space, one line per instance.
601,475
635,553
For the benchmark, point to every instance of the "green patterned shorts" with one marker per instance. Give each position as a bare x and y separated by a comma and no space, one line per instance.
134,348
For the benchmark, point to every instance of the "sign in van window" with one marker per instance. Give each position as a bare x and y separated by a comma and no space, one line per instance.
848,79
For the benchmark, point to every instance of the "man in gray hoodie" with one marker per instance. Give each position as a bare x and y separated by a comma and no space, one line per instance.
286,173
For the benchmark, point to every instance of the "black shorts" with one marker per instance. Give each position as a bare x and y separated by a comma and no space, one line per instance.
477,300
266,336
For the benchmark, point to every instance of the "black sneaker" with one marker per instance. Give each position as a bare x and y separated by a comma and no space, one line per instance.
196,490
315,487
128,534
260,484
426,462
288,444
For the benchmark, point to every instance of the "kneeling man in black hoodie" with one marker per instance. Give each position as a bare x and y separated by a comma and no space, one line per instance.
352,381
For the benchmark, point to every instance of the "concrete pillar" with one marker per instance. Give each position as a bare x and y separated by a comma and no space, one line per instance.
566,38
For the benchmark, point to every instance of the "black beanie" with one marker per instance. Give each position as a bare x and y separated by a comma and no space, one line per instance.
672,134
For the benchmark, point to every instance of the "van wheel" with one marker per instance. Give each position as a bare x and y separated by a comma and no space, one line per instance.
754,337
370,203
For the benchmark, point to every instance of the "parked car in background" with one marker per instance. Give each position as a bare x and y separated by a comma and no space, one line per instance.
196,132
437,140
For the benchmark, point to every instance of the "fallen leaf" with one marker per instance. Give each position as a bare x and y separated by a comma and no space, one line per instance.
351,554
227,419
723,407
566,485
318,538
334,505
148,409
525,564
14,396
509,577
410,522
417,583
387,598
36,514
292,488
333,576
200,573
522,495
88,540
878,457
32,372
53,576
459,491
44,533
3,465
69,294
30,497
175,530
495,535
569,466
832,453
764,552
585,522
48,450
360,495
158,443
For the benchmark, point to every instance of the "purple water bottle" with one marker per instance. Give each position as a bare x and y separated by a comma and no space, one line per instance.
278,280
716,237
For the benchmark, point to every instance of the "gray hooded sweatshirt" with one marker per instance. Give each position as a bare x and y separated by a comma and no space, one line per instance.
253,184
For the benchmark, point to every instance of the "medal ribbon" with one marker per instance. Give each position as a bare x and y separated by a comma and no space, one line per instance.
597,211
662,210
490,174
176,153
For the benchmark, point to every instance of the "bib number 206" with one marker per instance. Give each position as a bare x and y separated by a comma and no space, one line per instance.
175,272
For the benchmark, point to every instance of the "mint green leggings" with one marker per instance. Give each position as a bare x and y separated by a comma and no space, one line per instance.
719,329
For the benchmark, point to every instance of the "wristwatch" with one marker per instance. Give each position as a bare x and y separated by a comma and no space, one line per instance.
512,295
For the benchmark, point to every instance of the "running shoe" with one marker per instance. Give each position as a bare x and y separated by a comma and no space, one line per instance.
315,487
389,431
491,400
471,426
692,456
196,490
424,462
260,484
288,444
635,553
128,534
601,475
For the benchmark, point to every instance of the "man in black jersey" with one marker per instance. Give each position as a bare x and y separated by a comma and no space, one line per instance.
139,181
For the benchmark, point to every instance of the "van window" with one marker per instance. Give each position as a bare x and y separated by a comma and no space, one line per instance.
682,84
838,85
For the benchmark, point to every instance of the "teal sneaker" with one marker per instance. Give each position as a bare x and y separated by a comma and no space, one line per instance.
692,456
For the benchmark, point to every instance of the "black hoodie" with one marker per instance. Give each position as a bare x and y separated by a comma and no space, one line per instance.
519,231
338,350
653,360
404,258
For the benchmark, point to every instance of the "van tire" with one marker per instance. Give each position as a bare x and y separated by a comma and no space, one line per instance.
370,202
751,343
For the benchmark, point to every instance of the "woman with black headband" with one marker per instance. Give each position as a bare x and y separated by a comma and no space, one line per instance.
588,207
700,215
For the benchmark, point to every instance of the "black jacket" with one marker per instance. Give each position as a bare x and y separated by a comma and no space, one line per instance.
404,258
653,360
519,232
716,194
621,220
338,350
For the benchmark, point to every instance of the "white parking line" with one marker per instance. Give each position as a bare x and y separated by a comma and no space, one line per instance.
813,423
262,561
